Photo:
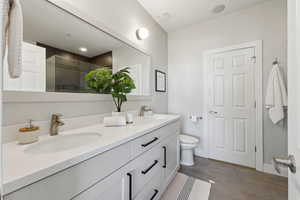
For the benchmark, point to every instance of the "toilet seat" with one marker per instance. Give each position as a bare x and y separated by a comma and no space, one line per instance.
186,139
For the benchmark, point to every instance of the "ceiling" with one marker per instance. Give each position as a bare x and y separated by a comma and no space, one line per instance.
175,14
47,24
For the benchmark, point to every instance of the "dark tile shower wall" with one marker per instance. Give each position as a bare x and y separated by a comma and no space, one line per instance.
70,69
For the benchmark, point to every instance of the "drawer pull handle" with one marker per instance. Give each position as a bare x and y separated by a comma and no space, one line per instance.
148,143
149,168
130,186
154,195
165,157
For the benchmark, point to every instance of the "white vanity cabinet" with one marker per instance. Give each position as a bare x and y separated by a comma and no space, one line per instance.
114,187
170,154
140,169
68,183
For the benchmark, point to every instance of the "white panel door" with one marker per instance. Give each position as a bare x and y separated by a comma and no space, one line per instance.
33,77
232,107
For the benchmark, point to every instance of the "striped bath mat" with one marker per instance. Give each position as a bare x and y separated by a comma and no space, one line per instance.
187,188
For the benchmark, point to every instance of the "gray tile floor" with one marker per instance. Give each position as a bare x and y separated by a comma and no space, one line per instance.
238,183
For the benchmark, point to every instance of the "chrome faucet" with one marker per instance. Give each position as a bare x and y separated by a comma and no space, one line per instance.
55,123
144,109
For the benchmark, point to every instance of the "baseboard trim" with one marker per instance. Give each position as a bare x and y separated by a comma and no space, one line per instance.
269,168
201,153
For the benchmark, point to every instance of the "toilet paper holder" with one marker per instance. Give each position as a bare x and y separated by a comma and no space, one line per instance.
192,117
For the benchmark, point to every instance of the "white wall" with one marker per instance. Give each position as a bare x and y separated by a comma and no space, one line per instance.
267,22
1,67
123,17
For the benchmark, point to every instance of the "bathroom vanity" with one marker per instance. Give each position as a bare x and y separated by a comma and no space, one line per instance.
96,162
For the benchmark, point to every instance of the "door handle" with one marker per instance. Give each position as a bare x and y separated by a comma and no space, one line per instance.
288,162
213,112
130,186
165,157
149,168
154,195
148,143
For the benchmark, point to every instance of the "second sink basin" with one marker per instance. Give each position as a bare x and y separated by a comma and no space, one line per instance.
63,143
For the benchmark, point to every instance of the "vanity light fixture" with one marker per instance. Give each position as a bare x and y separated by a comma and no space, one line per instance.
83,49
142,33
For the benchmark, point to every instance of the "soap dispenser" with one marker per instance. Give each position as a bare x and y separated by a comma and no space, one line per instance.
28,134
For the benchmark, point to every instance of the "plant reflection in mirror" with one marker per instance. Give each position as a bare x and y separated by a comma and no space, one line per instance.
118,84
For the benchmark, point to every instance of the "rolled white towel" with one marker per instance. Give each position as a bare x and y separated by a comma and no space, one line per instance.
12,36
5,10
15,39
114,121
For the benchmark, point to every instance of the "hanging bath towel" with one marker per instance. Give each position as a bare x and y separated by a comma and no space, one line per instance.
276,97
12,36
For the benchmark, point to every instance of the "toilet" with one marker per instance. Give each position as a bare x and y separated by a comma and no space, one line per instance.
187,146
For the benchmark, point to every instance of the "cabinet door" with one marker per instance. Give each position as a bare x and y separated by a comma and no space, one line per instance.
152,190
114,187
170,161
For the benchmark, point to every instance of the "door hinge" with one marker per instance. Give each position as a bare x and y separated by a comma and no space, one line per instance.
254,104
255,149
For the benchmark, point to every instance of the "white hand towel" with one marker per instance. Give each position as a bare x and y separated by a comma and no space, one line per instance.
114,121
12,36
276,97
4,11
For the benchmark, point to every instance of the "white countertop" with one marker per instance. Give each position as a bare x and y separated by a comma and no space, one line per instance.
21,169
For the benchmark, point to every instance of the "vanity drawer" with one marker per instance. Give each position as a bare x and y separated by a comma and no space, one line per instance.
147,141
152,189
144,168
70,182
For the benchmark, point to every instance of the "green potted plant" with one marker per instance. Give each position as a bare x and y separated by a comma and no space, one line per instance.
118,84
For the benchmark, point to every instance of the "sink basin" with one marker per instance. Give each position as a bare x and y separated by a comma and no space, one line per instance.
63,142
159,117
155,117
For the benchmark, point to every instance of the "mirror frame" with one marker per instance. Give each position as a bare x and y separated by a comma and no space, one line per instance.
24,96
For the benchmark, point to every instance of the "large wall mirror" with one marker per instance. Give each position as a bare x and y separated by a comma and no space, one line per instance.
60,49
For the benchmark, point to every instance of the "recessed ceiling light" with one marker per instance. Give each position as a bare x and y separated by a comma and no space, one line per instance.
218,8
83,49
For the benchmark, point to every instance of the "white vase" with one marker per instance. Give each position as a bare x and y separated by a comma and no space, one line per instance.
118,113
